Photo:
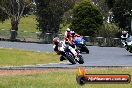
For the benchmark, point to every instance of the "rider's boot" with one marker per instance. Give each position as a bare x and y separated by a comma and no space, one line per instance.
62,58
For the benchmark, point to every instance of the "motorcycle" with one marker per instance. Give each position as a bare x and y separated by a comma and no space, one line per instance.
67,55
81,44
128,44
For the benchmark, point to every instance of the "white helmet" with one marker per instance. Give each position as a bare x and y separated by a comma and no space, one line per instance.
124,32
68,29
72,33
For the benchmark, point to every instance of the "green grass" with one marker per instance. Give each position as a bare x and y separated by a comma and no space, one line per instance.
9,57
27,28
26,24
62,79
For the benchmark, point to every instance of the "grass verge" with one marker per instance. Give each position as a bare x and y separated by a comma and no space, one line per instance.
26,24
60,79
13,57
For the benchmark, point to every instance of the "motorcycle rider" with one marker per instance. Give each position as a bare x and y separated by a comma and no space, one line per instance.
75,37
124,35
60,48
73,34
68,38
68,30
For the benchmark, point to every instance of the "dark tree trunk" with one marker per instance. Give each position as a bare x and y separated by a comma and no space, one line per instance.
14,29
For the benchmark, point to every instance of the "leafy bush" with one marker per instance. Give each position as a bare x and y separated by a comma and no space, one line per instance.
109,30
87,18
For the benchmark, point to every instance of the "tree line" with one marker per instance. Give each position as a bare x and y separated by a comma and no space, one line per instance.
87,16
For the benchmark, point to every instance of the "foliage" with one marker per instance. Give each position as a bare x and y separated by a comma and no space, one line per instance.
110,3
49,14
103,7
87,18
27,23
67,17
109,30
122,13
3,16
27,29
13,8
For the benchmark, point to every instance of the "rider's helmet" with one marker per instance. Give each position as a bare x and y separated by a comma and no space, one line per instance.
124,33
68,30
56,41
68,33
72,33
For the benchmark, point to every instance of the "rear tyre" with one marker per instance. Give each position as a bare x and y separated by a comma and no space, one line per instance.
81,61
71,59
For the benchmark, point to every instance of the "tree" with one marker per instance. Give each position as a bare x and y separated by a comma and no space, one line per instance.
103,7
14,10
87,18
109,30
50,13
122,10
110,3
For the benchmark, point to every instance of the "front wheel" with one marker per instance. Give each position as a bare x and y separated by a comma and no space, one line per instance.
80,61
70,58
130,50
86,49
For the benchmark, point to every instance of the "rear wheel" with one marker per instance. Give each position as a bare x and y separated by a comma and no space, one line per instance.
80,61
71,58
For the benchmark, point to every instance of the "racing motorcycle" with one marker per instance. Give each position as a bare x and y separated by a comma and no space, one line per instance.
128,44
67,55
81,44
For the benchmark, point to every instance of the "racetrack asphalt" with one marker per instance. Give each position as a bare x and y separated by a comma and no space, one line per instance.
98,56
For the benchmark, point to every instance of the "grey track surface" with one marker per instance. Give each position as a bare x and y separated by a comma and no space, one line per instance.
27,46
99,56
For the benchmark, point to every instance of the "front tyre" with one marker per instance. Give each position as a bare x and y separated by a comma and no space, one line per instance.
80,61
70,58
86,49
130,50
